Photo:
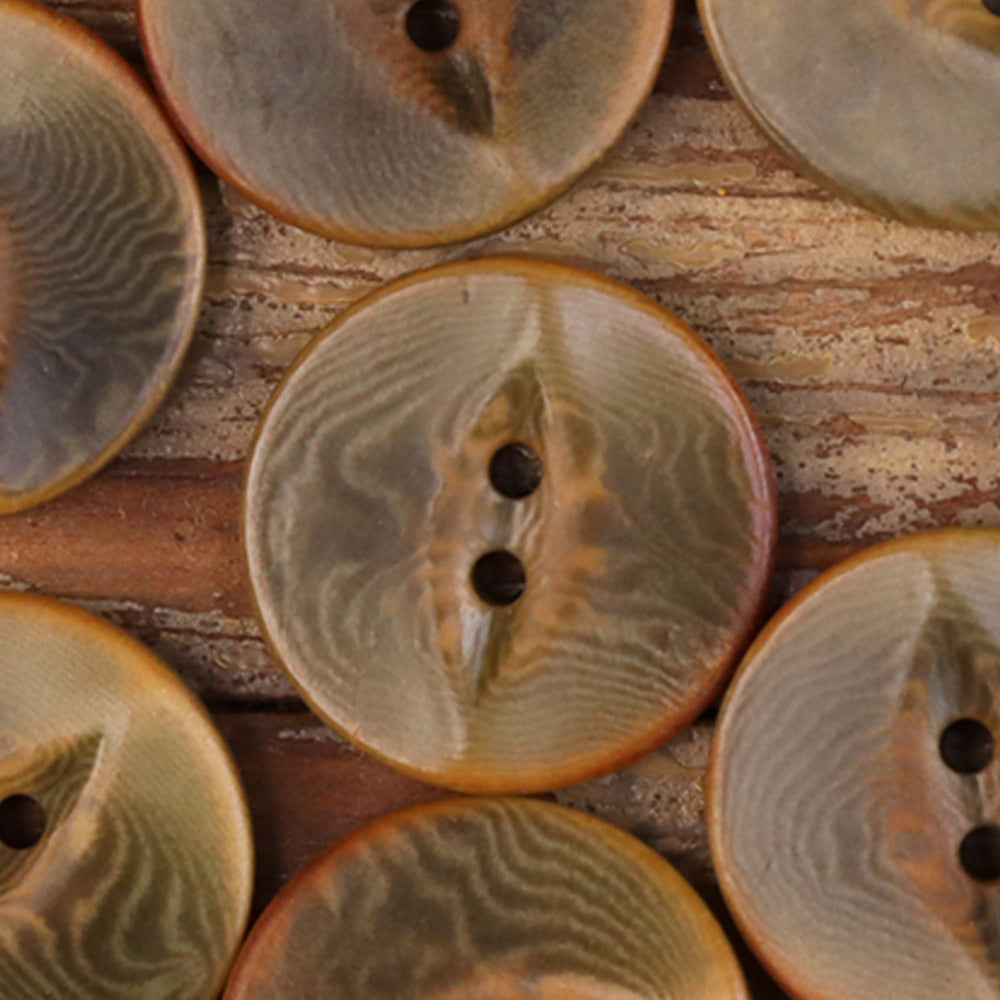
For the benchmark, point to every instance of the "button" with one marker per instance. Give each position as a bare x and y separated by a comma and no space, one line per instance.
404,122
501,899
508,524
102,254
890,103
854,786
125,848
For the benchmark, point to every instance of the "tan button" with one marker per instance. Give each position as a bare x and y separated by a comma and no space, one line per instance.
501,899
893,103
854,791
508,525
404,122
125,850
102,252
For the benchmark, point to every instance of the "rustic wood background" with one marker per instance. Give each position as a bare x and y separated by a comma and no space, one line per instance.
869,351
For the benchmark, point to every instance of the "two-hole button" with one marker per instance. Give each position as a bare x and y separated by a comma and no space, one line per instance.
499,577
968,747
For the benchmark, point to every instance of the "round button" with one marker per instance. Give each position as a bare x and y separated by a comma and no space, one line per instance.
496,632
891,103
501,899
102,252
854,791
125,850
403,123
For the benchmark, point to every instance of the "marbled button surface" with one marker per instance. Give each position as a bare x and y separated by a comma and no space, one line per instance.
854,787
102,254
139,888
331,115
890,102
512,900
490,642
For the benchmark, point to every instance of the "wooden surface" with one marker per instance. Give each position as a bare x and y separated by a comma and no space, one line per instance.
871,353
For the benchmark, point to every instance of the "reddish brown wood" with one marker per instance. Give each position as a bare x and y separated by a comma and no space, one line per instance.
159,539
307,790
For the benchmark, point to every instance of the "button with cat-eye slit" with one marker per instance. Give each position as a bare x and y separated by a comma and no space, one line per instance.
854,791
505,899
125,850
102,251
509,523
892,103
404,122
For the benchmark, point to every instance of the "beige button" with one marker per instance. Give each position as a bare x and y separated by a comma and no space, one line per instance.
125,849
892,103
102,253
404,122
508,525
510,900
854,792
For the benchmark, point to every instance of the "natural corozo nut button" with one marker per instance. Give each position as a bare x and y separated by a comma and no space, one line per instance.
403,123
509,524
125,848
892,103
511,900
854,792
102,254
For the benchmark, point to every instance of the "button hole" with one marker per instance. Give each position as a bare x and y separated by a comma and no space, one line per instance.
499,578
516,471
980,853
967,746
433,25
22,822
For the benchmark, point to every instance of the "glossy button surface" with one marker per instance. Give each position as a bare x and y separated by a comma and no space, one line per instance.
501,899
402,123
854,787
508,525
101,254
125,851
893,103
